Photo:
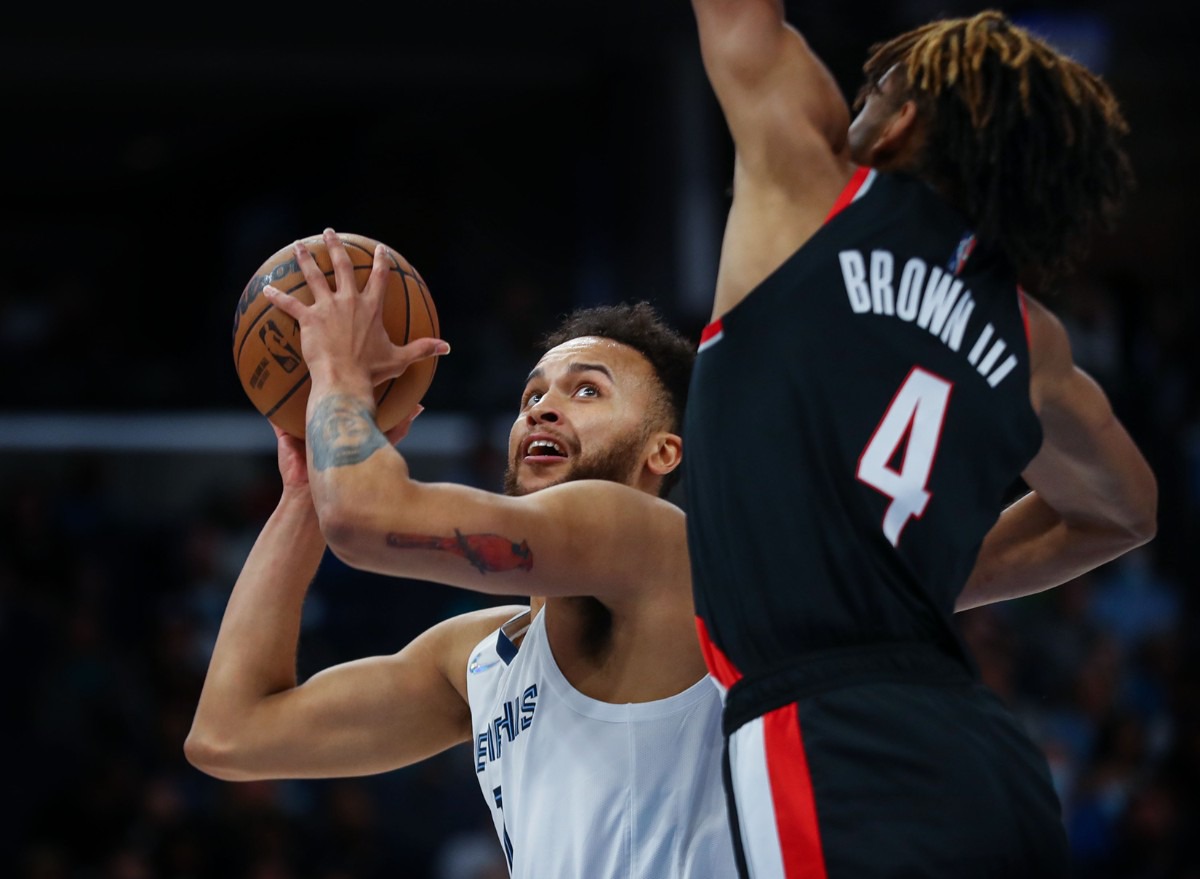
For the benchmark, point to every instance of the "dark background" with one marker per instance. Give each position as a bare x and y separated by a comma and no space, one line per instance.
526,158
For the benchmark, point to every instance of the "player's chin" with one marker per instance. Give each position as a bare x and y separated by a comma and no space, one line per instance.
543,463
534,476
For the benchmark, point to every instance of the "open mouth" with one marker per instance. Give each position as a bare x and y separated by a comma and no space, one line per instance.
541,450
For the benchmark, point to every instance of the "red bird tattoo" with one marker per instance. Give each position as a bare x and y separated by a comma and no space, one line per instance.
485,552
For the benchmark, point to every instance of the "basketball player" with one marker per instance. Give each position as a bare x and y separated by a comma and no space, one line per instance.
595,729
873,385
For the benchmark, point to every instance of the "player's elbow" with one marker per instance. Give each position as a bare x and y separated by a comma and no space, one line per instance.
728,13
355,528
1137,522
217,755
345,533
1144,526
740,40
1142,522
340,514
1133,533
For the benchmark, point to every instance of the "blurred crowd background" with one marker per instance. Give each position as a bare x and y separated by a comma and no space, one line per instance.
526,160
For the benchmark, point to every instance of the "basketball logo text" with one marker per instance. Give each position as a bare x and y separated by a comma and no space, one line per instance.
279,347
255,288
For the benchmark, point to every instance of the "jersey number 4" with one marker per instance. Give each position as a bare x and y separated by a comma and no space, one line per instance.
916,414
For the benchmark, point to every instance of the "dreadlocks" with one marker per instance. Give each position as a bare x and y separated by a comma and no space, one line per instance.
1023,140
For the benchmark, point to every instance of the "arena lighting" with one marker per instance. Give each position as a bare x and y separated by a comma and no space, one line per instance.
440,434
1084,35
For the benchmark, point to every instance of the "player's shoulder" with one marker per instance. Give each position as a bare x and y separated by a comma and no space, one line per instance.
455,638
482,621
1049,345
1052,372
598,494
453,641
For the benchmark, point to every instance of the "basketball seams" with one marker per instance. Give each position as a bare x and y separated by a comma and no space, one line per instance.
398,265
427,301
291,392
289,291
237,362
407,318
306,375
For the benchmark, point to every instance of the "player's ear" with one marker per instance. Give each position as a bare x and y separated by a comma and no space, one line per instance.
900,137
666,453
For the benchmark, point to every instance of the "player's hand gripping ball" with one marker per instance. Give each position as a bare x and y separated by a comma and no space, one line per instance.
266,342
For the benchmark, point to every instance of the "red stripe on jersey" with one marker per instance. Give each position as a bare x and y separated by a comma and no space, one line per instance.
856,181
711,334
792,795
718,663
1024,316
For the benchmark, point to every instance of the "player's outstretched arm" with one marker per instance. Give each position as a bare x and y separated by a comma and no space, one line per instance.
776,94
1093,494
255,721
590,537
593,538
789,123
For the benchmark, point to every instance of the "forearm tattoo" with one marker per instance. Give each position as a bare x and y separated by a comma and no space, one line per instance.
485,552
342,431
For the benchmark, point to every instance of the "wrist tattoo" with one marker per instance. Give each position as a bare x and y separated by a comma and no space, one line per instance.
342,431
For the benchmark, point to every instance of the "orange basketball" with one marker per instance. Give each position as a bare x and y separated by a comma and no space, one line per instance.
266,342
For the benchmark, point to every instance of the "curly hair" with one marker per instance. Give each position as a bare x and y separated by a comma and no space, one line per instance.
642,328
1025,141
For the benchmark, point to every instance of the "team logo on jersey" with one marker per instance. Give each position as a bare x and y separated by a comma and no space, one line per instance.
962,253
477,666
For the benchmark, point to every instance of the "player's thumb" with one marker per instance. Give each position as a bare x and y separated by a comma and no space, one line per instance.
421,349
405,356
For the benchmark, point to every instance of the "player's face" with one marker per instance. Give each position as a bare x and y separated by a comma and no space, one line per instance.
584,414
879,106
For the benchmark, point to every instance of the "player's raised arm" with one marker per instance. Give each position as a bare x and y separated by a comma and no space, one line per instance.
1094,496
254,720
790,128
593,537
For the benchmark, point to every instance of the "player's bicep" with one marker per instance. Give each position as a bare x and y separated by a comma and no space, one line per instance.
580,538
442,532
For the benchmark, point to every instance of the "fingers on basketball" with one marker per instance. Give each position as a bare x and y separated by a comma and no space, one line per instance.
266,334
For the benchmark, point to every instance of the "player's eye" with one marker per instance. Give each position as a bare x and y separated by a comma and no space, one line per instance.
531,399
588,391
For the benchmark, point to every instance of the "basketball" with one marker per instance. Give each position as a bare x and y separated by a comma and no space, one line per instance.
266,342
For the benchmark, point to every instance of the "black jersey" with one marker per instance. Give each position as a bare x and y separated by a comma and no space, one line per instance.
852,432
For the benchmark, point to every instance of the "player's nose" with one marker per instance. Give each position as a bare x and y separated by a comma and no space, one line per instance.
543,412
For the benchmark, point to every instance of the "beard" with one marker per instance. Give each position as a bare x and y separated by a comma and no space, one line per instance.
618,463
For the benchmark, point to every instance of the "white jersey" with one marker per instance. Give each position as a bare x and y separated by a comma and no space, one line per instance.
582,789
